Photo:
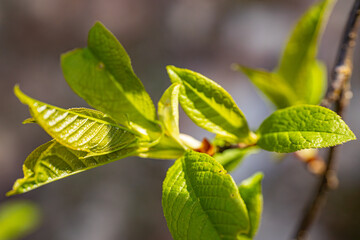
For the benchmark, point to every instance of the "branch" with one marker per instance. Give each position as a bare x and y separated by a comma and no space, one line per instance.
339,94
211,149
343,67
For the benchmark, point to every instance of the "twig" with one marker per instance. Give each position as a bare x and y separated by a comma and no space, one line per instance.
211,149
338,93
232,146
343,67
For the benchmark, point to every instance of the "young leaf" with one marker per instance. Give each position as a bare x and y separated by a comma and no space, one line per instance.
316,82
280,93
201,201
209,106
231,158
299,77
272,85
17,219
302,45
250,191
168,111
102,75
167,148
298,60
53,161
84,130
170,146
302,127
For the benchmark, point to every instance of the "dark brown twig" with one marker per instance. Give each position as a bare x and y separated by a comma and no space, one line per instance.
343,67
338,93
232,146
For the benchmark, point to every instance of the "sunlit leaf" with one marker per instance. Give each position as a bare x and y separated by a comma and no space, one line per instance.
103,76
53,161
316,82
302,45
250,191
209,106
299,77
201,201
272,85
298,62
302,127
83,130
168,111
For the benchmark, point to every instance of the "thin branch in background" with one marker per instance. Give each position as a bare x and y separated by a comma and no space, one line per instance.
339,94
343,67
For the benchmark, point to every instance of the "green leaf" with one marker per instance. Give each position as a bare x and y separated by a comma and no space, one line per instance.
167,148
250,191
102,75
29,120
301,49
18,219
209,106
201,201
316,82
274,87
168,111
170,146
53,161
84,130
231,158
302,127
280,93
299,78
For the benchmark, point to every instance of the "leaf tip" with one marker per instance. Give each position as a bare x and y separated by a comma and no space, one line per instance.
172,72
29,120
171,68
98,24
11,193
249,72
258,177
17,90
20,95
245,70
254,181
63,57
99,28
353,136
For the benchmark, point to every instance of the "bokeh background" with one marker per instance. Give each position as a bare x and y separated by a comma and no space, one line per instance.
122,200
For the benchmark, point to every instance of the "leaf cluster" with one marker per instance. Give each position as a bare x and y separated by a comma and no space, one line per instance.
200,199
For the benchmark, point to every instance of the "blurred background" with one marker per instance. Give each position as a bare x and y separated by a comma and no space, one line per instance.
122,200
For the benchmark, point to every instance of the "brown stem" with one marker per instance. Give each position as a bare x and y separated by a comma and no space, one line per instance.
232,146
338,93
343,67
